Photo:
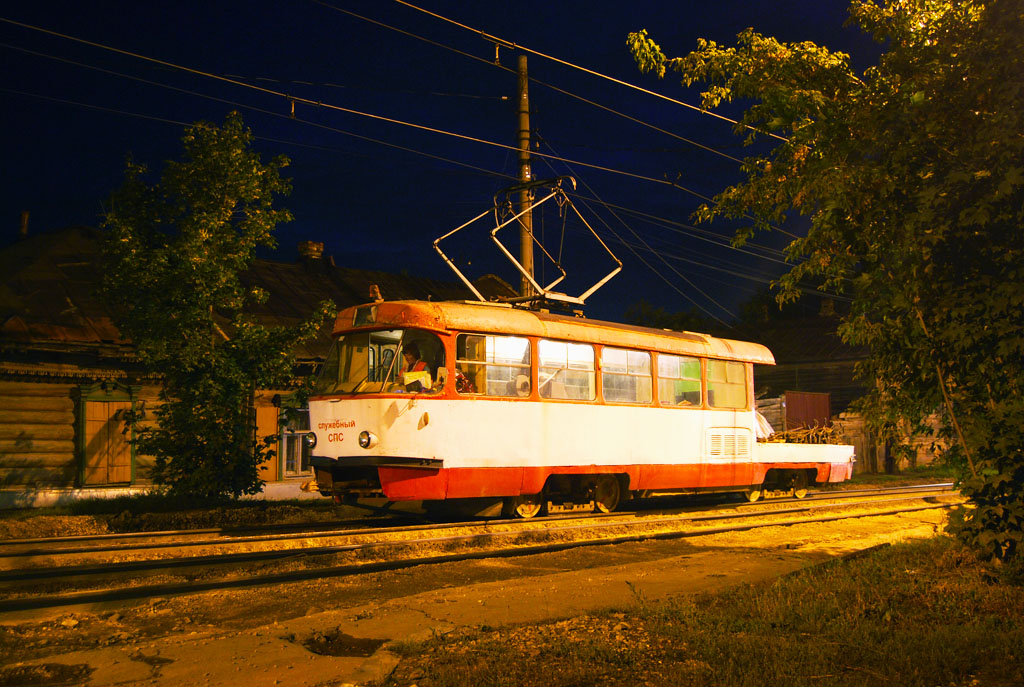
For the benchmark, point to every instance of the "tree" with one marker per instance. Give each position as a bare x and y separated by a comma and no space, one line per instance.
912,175
174,253
644,314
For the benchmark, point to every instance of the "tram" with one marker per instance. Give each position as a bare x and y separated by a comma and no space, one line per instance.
521,412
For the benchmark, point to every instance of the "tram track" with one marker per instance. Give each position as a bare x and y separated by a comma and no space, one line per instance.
34,586
125,542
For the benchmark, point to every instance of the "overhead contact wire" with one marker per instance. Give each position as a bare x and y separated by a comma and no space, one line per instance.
314,103
554,88
652,251
233,104
557,89
509,44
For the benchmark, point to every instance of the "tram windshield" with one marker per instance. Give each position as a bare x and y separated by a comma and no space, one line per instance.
387,361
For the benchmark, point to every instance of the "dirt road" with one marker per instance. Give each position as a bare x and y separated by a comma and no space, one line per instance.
263,636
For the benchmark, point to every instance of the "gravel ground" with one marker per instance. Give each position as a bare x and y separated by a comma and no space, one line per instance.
342,630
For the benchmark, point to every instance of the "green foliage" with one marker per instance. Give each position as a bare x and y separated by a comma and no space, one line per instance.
174,254
912,176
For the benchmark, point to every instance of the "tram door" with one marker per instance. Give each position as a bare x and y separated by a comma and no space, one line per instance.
729,437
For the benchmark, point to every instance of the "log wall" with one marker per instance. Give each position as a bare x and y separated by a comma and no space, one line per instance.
37,435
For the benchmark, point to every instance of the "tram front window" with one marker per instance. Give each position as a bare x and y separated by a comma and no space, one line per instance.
371,363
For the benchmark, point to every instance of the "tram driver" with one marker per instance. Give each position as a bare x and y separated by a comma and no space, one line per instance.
413,365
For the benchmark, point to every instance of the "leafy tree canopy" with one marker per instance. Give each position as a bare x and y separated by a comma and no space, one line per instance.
912,177
644,314
174,254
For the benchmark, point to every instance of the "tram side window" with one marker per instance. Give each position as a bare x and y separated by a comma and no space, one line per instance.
727,384
566,371
492,365
626,375
678,380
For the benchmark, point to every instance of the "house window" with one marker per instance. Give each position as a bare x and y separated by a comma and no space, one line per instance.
295,453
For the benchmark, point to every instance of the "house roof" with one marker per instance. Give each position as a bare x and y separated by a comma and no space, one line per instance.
296,289
49,282
47,290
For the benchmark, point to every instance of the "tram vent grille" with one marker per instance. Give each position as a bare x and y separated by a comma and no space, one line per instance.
729,443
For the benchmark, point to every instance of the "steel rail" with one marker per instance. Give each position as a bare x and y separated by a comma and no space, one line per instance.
162,564
236,532
333,532
222,541
144,591
895,489
337,528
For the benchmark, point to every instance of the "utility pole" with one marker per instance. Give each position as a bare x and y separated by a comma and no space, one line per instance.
525,176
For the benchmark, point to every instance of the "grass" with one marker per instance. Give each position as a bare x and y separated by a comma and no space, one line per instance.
923,614
919,475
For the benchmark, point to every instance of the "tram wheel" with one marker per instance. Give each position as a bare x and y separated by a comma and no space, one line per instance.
754,494
607,493
525,506
799,484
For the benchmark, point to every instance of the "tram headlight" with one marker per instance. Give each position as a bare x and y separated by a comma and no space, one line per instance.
309,440
367,439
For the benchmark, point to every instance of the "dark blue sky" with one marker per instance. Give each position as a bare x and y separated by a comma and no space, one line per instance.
72,112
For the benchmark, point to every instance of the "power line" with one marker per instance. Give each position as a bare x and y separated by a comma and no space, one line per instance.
592,103
333,129
659,274
695,232
314,103
100,108
233,103
653,252
666,223
509,44
139,115
552,87
470,96
638,121
277,114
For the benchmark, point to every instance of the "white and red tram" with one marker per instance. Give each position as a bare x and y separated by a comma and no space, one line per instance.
534,410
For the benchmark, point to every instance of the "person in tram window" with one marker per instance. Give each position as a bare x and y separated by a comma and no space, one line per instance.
411,356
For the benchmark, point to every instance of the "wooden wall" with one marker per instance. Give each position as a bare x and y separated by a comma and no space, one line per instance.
149,396
37,435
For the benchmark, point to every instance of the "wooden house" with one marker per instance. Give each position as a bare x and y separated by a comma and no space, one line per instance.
67,375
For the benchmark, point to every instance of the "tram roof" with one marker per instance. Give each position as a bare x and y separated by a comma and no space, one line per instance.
500,318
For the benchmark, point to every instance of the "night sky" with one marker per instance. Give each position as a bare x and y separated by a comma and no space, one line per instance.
378,193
